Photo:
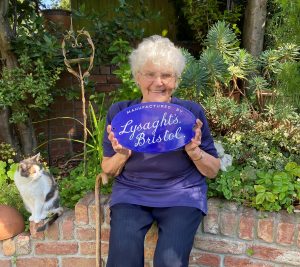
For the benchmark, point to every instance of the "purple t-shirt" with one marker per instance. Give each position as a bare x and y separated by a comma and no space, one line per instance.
161,180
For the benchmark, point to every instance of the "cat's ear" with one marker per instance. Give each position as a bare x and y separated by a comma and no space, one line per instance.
36,157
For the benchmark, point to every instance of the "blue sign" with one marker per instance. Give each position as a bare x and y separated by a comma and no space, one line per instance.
154,127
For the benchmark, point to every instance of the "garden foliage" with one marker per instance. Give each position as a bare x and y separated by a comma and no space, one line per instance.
264,141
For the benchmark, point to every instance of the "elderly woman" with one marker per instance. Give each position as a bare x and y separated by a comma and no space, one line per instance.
166,188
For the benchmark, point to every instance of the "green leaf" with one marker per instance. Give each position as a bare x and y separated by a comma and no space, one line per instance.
259,188
260,198
270,197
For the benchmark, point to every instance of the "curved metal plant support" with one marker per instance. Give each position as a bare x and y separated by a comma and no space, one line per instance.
80,74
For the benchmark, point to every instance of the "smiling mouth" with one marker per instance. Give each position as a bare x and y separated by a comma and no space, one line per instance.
157,91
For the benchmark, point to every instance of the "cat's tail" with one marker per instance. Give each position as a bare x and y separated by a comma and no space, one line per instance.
48,222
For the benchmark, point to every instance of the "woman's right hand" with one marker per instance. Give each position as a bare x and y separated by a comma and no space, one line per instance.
117,147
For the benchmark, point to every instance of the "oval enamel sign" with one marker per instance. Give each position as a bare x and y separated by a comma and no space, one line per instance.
154,127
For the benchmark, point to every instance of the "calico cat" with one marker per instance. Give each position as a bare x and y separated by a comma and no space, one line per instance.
39,192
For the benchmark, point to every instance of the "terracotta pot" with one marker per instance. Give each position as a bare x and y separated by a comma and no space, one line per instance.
11,222
60,17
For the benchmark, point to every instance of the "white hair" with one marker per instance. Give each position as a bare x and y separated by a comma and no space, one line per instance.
158,50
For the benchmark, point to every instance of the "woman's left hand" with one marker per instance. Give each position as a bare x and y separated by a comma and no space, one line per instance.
192,148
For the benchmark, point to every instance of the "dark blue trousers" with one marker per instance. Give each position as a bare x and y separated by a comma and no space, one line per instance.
177,227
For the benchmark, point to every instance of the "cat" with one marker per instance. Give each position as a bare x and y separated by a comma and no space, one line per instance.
39,192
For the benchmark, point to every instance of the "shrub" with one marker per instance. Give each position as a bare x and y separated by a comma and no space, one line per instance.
76,185
269,190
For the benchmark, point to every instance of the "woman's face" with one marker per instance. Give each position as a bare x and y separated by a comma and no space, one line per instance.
157,83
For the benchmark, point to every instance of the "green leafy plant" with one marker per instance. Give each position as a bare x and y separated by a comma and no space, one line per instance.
27,88
202,14
220,37
288,81
7,152
264,146
278,189
283,22
126,23
235,184
9,194
264,190
193,77
76,185
223,68
128,88
226,116
34,41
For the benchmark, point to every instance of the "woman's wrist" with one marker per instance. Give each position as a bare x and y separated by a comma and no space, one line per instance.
199,156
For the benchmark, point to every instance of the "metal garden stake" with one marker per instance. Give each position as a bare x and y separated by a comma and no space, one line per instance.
79,73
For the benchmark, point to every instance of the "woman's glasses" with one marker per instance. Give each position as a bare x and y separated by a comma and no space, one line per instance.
165,77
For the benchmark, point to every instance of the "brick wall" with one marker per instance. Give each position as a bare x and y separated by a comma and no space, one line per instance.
104,81
230,236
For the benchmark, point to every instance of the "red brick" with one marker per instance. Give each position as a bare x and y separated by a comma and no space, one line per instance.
105,70
265,229
219,245
228,223
92,214
23,246
205,259
67,226
246,228
242,262
52,233
98,78
113,79
114,87
211,221
37,262
57,248
86,233
34,233
5,263
69,123
95,70
65,80
285,233
9,247
285,217
89,248
78,262
81,209
277,255
102,88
